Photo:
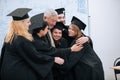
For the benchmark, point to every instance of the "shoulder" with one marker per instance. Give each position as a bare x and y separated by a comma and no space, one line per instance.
20,40
63,39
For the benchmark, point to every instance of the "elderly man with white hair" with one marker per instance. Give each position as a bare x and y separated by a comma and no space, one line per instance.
50,16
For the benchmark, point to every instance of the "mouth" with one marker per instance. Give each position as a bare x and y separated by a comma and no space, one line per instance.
57,38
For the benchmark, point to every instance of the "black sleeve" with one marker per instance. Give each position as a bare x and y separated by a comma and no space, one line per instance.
56,52
2,52
1,57
49,50
90,42
73,59
39,62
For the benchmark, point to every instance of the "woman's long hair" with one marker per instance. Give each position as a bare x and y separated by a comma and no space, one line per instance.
78,32
17,28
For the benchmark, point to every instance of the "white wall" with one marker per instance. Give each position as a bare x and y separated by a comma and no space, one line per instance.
105,32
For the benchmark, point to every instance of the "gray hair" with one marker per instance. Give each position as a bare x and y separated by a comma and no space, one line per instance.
50,12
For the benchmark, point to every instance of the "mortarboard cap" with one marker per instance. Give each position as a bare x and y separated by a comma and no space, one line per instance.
59,25
78,22
20,13
37,22
60,10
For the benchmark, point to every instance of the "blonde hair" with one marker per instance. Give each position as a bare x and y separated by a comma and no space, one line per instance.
17,28
78,32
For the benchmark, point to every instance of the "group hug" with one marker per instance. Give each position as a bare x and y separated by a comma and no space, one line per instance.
43,47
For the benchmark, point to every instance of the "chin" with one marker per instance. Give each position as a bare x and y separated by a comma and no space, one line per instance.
56,39
70,35
27,28
50,27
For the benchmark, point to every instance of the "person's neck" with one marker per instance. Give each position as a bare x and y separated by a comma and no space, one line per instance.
57,42
39,34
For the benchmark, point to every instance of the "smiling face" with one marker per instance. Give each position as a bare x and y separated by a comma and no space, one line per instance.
57,34
74,31
71,31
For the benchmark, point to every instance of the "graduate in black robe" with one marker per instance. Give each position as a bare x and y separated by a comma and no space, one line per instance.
57,34
89,65
61,18
39,30
58,70
19,58
60,42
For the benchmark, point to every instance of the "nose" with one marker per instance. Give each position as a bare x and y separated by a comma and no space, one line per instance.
54,23
29,23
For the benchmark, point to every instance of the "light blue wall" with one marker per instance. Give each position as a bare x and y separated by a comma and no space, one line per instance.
73,7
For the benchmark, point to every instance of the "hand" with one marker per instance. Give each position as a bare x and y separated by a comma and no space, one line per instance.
59,60
76,48
82,40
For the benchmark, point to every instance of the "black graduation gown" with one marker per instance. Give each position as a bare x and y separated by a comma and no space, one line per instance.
62,43
21,61
1,57
46,38
57,68
89,65
65,72
48,50
65,35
